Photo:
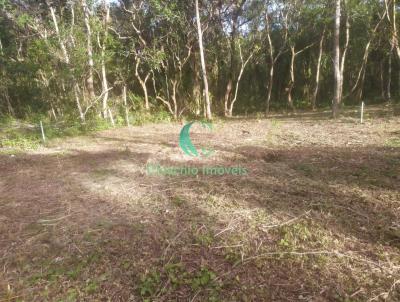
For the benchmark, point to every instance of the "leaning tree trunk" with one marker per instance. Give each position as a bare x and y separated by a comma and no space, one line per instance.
9,106
203,63
395,39
336,49
67,61
243,66
228,91
318,73
60,41
290,86
89,50
143,83
361,73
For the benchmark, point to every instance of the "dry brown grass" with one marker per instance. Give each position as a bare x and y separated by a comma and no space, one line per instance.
316,219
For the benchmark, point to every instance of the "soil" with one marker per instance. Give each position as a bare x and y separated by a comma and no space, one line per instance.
315,218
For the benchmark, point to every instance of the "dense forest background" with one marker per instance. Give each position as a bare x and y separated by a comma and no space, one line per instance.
82,59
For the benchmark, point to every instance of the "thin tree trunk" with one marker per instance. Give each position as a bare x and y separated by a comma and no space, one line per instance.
111,117
270,83
395,40
103,60
389,80
227,96
273,58
9,106
89,49
272,62
143,83
229,85
60,41
244,63
174,100
337,94
382,71
393,45
318,73
164,101
67,61
196,88
228,92
125,106
361,73
203,63
78,103
292,78
344,55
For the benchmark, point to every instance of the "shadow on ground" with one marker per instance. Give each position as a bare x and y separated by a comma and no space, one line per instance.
86,226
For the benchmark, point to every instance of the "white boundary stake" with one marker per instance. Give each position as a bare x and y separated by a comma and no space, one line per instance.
41,128
362,112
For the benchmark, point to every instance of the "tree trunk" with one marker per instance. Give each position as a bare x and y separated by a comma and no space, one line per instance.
89,49
78,103
60,41
337,94
343,59
243,66
270,83
203,63
103,60
389,80
361,73
393,45
229,86
227,96
9,106
196,88
272,62
67,61
125,106
291,81
382,78
318,73
174,83
143,83
395,39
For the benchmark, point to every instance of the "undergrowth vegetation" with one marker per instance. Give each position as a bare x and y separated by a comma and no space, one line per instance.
26,134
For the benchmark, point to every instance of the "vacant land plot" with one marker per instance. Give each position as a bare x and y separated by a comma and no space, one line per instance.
316,218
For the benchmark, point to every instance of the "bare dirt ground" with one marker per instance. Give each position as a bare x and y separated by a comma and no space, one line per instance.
317,217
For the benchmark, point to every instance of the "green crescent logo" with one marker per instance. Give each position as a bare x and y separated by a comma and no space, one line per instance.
186,143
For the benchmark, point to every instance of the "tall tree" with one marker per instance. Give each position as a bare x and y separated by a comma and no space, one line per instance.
337,99
203,63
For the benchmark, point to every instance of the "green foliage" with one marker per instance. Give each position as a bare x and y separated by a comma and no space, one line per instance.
91,287
20,141
176,276
203,278
394,143
24,19
37,79
149,284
